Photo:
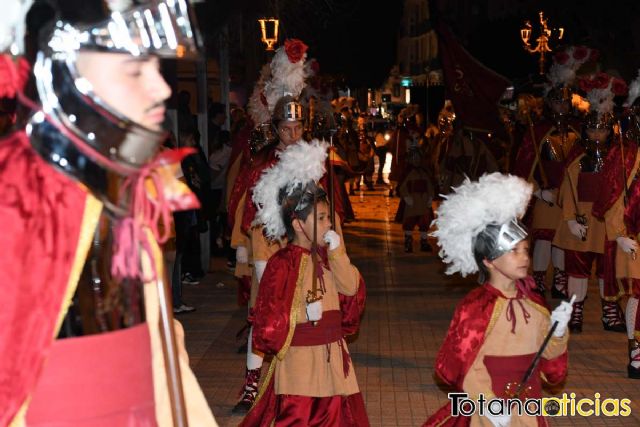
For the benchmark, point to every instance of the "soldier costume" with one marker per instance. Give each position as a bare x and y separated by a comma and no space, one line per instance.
84,168
581,234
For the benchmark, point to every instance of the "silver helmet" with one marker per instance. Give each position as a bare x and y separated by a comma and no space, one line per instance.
93,138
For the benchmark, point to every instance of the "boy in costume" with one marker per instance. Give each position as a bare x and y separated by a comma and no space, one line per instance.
310,297
498,327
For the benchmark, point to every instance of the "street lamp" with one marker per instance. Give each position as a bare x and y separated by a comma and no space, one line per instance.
269,30
542,46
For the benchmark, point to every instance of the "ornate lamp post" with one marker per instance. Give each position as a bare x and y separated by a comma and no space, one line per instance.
269,30
542,46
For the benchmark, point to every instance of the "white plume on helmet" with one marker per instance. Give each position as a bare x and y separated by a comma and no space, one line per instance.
493,199
298,164
258,110
287,78
634,91
13,26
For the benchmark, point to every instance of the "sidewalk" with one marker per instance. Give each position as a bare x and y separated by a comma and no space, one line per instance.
410,303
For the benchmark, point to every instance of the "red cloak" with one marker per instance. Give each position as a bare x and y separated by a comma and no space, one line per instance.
612,175
464,339
41,211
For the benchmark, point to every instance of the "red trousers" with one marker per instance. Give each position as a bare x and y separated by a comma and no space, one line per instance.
578,264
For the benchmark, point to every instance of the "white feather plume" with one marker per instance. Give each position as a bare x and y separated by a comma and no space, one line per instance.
298,164
13,25
287,78
601,100
493,199
257,110
634,91
119,5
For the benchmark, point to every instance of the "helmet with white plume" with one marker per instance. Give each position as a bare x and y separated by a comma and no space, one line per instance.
480,220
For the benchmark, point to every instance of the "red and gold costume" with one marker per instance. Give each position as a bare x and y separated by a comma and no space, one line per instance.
540,160
610,207
50,220
311,380
491,341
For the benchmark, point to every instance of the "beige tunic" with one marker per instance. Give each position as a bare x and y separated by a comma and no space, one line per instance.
596,231
545,216
500,341
626,266
304,371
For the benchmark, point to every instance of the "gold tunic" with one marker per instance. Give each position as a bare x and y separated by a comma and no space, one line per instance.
596,230
499,341
305,371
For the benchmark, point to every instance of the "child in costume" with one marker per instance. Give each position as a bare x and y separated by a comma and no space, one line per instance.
498,327
310,297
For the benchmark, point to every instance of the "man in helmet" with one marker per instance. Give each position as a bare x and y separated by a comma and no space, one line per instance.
581,234
87,170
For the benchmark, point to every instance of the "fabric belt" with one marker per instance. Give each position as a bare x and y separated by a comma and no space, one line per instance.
325,332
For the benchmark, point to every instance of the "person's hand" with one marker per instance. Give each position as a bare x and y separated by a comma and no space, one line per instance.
242,255
578,230
562,315
627,244
498,420
408,200
544,195
333,239
314,311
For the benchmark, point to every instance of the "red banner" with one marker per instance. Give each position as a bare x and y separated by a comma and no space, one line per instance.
473,88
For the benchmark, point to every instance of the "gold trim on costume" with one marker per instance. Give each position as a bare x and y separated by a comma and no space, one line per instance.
497,310
295,308
293,319
90,218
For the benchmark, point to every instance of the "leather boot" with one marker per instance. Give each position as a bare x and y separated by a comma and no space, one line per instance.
612,317
425,246
575,324
633,368
560,283
408,244
540,277
249,392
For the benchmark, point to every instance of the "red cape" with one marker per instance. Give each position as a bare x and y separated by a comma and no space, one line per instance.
527,153
41,212
464,339
612,175
271,319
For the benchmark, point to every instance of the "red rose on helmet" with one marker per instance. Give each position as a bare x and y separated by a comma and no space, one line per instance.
561,57
295,49
601,81
619,87
585,85
580,53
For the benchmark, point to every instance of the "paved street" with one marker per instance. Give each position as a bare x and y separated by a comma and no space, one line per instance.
409,305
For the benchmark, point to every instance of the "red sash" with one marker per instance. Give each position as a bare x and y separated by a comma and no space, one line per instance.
326,331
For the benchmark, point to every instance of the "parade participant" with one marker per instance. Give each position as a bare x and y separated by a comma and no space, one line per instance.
310,297
417,191
499,327
580,233
277,102
540,160
99,129
619,208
